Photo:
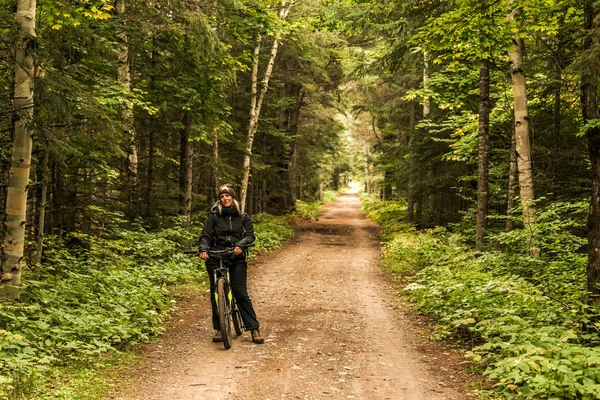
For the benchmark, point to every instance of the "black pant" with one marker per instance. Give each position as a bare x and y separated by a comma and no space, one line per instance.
238,269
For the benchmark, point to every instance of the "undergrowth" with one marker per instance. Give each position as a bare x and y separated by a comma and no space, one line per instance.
99,295
520,318
310,210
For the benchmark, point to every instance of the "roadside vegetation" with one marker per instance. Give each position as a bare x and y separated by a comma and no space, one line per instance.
310,210
519,318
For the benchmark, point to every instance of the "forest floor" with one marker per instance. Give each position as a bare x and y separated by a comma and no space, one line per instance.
333,323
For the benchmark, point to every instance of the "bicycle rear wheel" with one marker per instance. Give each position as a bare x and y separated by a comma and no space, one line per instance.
236,316
224,306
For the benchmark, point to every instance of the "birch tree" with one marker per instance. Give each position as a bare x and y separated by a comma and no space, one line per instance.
521,121
16,201
257,99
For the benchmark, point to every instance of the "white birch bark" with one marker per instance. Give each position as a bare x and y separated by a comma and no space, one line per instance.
426,105
256,102
523,145
16,200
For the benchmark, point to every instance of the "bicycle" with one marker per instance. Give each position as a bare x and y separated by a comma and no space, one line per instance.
226,304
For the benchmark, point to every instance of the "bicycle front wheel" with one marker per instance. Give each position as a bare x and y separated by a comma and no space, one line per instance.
224,306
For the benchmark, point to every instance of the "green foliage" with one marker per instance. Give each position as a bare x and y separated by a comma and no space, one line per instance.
390,214
271,231
522,318
310,210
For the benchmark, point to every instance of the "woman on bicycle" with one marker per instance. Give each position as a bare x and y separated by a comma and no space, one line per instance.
228,227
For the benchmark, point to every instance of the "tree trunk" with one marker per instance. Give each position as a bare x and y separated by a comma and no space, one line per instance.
250,208
124,77
430,166
42,212
589,104
294,173
263,197
367,169
484,129
256,103
513,179
151,133
426,104
522,133
293,132
557,115
216,161
410,214
185,169
16,200
150,172
321,192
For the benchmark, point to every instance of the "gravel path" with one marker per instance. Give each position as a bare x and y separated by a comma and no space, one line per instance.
333,324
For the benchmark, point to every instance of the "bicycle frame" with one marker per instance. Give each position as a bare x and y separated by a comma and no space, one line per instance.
226,305
222,270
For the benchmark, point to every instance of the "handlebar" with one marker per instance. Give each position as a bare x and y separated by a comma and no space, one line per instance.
217,253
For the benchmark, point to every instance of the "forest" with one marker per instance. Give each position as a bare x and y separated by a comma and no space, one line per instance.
473,126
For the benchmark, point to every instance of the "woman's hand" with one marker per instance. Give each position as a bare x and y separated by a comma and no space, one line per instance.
204,255
237,251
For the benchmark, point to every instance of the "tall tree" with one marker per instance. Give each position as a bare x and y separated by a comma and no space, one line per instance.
522,127
185,168
124,77
483,153
591,116
257,99
16,200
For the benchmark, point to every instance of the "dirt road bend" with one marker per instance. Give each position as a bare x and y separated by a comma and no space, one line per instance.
333,325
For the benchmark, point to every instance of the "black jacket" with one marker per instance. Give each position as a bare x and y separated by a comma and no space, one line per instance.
227,230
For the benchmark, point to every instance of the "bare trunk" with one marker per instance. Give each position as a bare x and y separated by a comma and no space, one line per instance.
16,201
124,77
293,132
256,103
42,212
589,103
410,216
426,111
150,172
367,169
150,169
426,105
484,129
294,172
557,119
513,179
263,196
321,192
522,134
185,169
216,161
250,207
252,122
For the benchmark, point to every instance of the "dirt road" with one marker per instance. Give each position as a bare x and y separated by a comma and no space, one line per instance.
333,325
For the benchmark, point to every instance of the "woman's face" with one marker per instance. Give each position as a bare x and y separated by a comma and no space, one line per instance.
226,200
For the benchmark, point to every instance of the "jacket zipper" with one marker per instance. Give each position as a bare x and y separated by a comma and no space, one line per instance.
230,230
